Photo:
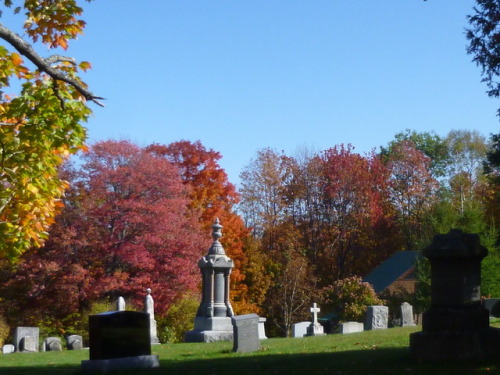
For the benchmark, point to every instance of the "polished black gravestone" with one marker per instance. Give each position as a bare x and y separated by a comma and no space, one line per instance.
119,340
245,333
457,325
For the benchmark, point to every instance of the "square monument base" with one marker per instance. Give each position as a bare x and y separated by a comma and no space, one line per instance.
210,330
462,345
106,365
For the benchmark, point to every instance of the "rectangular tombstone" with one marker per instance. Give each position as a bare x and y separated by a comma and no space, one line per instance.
246,333
8,349
300,329
74,342
351,327
377,317
118,334
21,332
28,344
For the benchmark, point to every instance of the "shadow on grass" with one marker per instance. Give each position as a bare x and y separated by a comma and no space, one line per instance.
359,362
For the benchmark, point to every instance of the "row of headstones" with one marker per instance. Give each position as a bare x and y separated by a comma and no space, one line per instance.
26,339
377,317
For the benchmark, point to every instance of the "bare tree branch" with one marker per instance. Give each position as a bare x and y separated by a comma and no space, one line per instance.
44,65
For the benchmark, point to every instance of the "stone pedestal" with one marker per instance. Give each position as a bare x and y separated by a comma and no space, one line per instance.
456,326
213,318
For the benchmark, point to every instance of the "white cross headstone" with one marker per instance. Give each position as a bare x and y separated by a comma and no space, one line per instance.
315,310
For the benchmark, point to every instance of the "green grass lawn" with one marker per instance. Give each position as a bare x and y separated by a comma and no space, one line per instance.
382,352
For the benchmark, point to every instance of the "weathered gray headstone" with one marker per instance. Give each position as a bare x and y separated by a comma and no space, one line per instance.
119,340
407,315
300,329
8,349
377,317
456,327
120,304
351,327
74,342
245,333
262,328
149,307
28,344
52,344
21,332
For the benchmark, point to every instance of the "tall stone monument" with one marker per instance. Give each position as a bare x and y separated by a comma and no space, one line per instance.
213,318
456,326
120,304
149,307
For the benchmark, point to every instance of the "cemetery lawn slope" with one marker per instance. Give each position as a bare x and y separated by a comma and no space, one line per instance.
383,352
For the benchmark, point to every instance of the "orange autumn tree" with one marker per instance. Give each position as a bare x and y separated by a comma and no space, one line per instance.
40,118
212,195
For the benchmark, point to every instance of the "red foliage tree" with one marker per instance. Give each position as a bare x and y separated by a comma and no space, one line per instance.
211,196
125,227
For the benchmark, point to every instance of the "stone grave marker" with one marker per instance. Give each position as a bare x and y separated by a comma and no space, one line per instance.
245,333
351,327
52,344
407,315
28,344
262,328
315,328
8,349
300,329
149,307
120,304
74,342
377,317
213,318
456,326
119,340
493,306
21,332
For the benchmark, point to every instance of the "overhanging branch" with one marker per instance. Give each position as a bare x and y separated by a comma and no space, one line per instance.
44,65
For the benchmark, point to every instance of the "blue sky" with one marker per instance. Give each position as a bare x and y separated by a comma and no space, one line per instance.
285,74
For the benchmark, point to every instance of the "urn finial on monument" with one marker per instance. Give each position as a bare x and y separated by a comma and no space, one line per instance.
216,247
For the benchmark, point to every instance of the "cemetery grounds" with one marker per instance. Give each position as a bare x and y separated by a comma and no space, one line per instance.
378,352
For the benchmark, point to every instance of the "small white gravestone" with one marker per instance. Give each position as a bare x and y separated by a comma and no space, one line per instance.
300,329
377,317
8,349
120,304
262,328
315,328
351,327
407,315
150,309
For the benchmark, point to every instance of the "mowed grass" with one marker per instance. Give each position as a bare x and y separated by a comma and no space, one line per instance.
383,352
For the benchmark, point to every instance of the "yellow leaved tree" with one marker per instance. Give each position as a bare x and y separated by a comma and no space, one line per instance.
41,121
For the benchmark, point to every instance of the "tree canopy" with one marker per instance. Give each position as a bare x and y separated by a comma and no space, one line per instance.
41,122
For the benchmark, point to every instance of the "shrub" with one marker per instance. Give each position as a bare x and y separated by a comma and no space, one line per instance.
178,320
4,330
350,297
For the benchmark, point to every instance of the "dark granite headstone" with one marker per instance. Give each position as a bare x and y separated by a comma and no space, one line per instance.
118,334
493,306
457,325
246,333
